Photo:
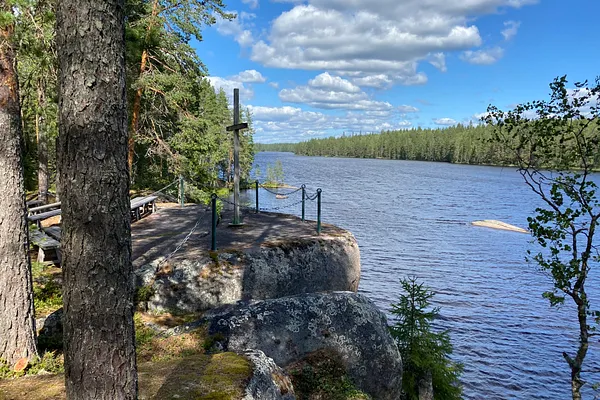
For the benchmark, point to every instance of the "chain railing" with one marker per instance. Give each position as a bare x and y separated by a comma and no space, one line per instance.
279,194
185,239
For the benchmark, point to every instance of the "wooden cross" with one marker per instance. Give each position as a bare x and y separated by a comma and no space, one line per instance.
236,127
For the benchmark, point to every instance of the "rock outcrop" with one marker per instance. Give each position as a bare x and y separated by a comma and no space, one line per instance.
287,329
269,381
50,330
275,269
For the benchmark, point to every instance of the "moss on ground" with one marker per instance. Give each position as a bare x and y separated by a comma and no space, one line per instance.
322,375
219,376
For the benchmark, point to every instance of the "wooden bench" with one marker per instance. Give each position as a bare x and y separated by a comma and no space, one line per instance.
141,206
48,248
38,218
44,208
34,203
53,232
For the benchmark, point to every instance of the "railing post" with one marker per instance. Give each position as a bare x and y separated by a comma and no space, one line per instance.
181,191
213,202
318,211
303,201
256,185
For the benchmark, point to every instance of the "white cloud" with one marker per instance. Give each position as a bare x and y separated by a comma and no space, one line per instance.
334,83
444,121
327,99
249,76
274,85
236,28
246,93
251,3
408,109
379,81
511,29
438,60
332,92
483,57
383,41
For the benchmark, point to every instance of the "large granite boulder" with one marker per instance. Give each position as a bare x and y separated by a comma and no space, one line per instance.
288,329
275,269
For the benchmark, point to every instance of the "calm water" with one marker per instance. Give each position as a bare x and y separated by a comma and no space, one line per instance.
413,218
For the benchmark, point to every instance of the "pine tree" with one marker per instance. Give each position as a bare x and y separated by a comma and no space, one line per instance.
425,353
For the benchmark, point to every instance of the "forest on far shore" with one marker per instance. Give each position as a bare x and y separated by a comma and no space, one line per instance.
460,144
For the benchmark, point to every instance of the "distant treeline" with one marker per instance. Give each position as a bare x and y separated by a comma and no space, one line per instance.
461,144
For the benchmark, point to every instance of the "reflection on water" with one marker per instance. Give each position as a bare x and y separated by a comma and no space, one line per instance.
413,218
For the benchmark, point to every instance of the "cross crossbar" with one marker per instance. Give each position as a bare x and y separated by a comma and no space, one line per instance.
237,127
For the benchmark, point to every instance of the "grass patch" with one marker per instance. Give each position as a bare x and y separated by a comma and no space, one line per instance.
47,288
49,363
152,345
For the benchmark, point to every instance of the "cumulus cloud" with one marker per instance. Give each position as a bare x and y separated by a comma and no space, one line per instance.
332,92
236,28
383,41
511,29
246,93
407,109
334,83
249,76
444,121
483,57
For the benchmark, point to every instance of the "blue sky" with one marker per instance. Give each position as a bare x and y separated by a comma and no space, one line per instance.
318,68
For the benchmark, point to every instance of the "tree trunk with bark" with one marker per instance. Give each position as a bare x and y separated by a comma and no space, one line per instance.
94,189
137,99
17,317
42,143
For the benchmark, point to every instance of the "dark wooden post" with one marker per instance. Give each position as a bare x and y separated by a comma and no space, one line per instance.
236,155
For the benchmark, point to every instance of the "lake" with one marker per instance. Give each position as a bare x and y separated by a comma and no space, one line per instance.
413,219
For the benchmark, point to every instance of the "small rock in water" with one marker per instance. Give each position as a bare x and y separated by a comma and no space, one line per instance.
491,223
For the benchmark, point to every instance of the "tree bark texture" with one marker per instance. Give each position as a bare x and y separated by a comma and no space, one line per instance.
17,318
94,190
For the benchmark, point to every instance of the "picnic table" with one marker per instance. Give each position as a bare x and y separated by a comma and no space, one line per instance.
46,241
140,207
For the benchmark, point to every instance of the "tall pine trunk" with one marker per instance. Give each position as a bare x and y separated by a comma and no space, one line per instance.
17,319
94,189
137,99
42,143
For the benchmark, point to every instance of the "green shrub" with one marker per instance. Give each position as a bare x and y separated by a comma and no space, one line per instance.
143,294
